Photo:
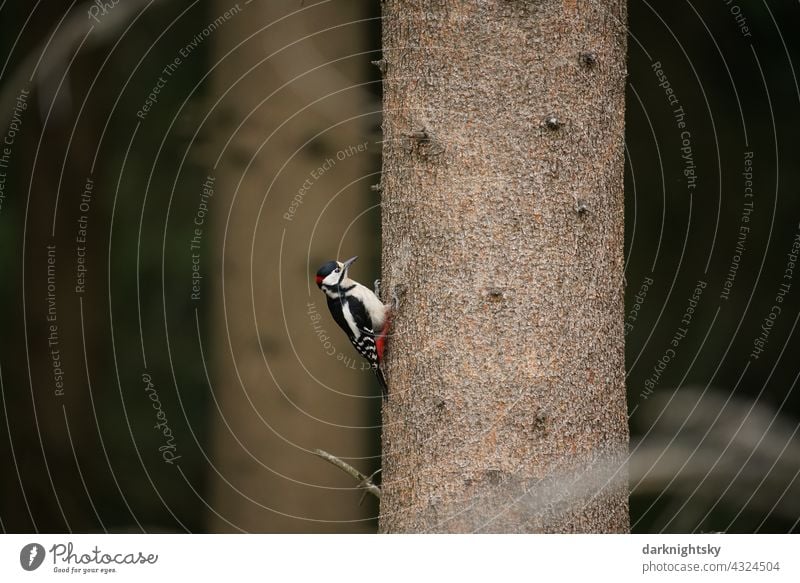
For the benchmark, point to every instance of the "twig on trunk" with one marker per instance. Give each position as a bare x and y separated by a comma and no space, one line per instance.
364,482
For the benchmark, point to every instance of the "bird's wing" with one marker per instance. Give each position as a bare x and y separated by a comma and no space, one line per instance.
364,341
360,317
338,315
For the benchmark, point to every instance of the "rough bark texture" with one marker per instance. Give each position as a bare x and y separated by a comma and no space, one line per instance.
503,231
269,360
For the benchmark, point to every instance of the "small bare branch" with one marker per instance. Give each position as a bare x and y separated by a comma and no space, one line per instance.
364,482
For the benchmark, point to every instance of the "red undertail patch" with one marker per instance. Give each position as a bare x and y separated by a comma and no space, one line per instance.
380,340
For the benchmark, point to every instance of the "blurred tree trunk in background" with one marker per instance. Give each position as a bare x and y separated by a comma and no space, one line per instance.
503,220
267,355
48,424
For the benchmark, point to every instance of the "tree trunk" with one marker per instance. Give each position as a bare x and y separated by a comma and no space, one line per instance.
503,234
50,448
281,394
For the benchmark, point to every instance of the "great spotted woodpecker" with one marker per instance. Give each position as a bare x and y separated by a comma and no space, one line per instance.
358,311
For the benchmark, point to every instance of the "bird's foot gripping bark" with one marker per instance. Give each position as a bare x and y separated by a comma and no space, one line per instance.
395,303
398,292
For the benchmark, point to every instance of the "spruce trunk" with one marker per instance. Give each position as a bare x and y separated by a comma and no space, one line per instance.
503,237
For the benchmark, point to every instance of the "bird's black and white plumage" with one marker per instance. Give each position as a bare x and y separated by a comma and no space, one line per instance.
358,311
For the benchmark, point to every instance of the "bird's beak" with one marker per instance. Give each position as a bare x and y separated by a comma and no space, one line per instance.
346,265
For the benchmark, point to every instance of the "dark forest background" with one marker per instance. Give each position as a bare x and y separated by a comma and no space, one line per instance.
269,93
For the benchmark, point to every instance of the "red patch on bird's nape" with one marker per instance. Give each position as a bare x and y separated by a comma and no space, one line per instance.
319,280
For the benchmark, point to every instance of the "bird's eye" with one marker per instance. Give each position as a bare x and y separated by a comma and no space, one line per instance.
336,270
